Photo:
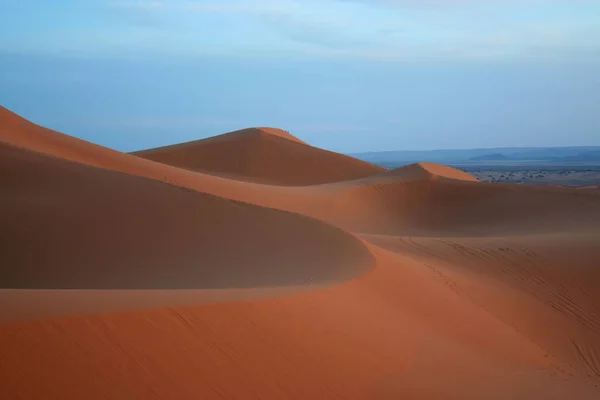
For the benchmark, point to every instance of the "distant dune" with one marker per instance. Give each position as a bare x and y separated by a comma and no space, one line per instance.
583,157
252,265
265,155
426,171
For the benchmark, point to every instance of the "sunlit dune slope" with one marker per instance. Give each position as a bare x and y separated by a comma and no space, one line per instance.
397,332
265,155
543,285
70,226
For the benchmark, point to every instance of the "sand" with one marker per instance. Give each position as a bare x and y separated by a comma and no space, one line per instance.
123,277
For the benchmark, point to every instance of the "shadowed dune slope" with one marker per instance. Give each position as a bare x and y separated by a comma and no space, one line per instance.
70,226
265,155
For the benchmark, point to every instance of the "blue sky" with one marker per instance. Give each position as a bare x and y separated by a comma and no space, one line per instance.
347,75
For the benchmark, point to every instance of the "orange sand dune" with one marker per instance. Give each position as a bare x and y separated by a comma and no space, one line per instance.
416,283
19,132
409,201
450,208
424,171
264,155
95,229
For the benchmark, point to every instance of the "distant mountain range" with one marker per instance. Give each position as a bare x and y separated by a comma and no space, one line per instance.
587,156
490,157
507,155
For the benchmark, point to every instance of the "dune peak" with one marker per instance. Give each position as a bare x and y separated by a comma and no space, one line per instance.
240,134
279,133
426,170
264,155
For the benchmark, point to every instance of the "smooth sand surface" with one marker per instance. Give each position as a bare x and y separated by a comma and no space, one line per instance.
126,278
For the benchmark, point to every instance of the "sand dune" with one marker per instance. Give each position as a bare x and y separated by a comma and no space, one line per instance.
96,229
429,171
125,277
263,155
422,204
19,132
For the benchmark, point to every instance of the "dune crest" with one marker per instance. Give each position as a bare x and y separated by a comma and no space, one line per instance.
280,133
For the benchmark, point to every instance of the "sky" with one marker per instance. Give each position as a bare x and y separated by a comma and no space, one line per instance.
345,75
